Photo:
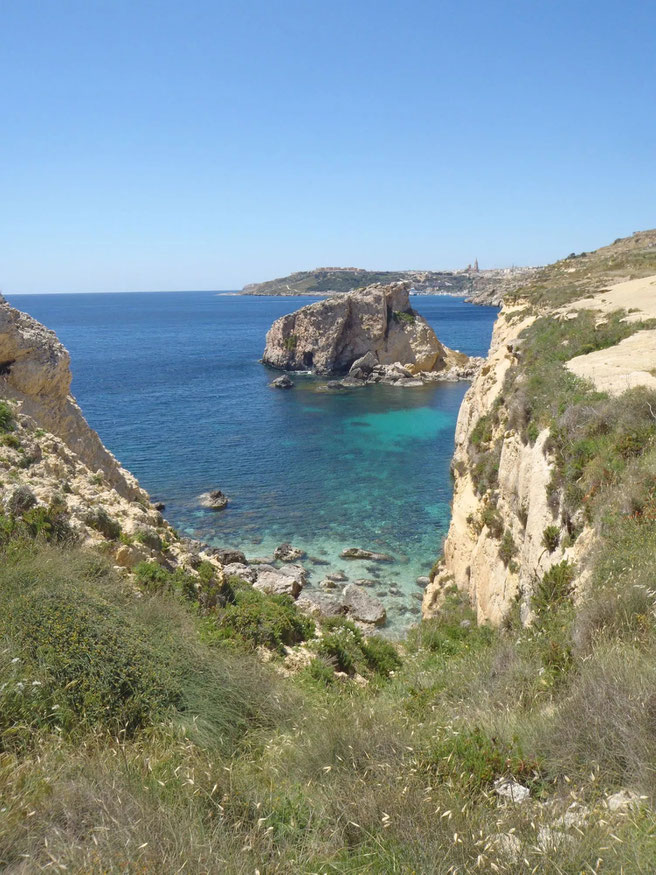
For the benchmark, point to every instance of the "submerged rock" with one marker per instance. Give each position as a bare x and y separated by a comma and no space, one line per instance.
286,553
215,500
357,553
362,606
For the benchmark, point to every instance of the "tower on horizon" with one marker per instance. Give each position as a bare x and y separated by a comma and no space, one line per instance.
476,265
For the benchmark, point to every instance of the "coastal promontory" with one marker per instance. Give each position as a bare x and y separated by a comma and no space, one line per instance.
374,326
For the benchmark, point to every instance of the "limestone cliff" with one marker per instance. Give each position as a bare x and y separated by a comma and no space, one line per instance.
55,467
473,559
327,337
540,453
35,371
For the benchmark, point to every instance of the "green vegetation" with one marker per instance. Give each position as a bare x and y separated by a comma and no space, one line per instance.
144,734
99,519
291,342
7,422
257,619
403,317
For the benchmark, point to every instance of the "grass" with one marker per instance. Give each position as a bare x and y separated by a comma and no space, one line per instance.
172,748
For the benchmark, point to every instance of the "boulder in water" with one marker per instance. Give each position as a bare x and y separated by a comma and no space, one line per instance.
215,499
283,382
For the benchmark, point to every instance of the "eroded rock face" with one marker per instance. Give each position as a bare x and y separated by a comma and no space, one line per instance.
472,558
35,371
375,325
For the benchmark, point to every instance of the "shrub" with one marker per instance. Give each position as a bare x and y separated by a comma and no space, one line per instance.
319,670
341,649
491,518
607,721
48,523
149,538
507,548
7,421
482,431
380,655
21,499
102,522
403,317
290,343
551,538
474,759
11,440
554,589
256,618
152,576
102,665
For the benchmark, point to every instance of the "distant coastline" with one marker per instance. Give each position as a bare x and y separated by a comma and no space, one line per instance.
478,286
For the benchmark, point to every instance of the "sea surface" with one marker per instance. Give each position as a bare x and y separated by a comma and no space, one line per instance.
173,384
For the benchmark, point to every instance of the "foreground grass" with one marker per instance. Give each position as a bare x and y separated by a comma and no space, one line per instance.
130,744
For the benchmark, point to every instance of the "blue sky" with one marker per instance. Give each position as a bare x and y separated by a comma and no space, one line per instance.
151,144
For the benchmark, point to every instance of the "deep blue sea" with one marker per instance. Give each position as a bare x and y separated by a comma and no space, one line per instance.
172,383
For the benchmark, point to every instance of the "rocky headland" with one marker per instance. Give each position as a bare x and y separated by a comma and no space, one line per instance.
367,336
486,287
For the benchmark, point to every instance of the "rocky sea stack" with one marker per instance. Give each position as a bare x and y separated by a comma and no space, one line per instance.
328,337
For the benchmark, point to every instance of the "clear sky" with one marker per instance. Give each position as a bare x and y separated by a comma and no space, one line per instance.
202,144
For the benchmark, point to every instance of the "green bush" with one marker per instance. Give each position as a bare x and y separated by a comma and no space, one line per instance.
491,518
475,759
255,618
507,548
341,645
102,522
482,431
551,538
380,655
554,589
11,440
403,317
7,421
102,665
152,576
48,523
319,670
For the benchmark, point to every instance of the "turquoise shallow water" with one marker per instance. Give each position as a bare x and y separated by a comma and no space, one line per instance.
173,385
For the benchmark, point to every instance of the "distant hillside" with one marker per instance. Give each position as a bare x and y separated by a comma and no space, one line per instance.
480,286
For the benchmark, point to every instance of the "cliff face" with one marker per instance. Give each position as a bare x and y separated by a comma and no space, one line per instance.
35,371
473,556
553,435
327,337
52,463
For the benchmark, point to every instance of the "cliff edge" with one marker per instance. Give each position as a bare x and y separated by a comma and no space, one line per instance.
554,435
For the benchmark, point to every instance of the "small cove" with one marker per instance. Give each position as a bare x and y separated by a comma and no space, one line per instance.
173,385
